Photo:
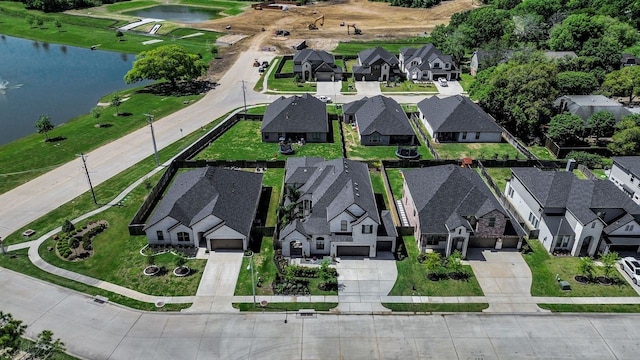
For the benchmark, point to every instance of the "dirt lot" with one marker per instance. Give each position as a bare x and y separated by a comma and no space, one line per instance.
376,20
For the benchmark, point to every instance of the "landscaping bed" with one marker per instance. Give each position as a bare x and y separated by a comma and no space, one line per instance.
76,245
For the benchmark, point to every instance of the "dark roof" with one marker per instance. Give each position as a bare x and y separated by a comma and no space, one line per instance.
352,107
556,55
383,115
629,163
447,196
629,59
582,197
456,113
368,57
298,114
587,105
230,195
332,186
426,54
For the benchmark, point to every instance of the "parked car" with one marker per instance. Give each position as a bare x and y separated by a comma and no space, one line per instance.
631,266
324,99
443,82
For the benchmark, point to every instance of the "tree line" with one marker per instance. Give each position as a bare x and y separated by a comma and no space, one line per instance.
63,5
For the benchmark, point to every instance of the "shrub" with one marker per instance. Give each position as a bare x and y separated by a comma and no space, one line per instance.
68,226
592,161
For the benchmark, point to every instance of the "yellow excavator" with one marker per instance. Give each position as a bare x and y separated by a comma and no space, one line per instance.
314,25
356,31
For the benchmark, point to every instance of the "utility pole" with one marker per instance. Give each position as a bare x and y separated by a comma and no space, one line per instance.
86,171
153,138
244,97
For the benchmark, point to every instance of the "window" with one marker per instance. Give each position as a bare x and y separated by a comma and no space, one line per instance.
464,135
477,136
367,229
266,136
343,225
511,192
320,243
315,136
374,138
564,241
432,242
628,228
593,225
183,236
492,222
533,220
160,235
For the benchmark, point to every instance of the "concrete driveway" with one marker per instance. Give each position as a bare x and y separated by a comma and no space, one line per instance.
368,88
505,279
328,88
453,88
218,282
363,281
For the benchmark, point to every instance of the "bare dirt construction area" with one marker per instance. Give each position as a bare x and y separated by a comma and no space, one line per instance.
376,20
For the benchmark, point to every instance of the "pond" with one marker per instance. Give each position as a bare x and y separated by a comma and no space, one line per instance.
186,14
62,81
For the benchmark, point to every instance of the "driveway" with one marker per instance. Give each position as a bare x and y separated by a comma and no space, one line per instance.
328,88
368,88
363,281
505,279
453,88
218,283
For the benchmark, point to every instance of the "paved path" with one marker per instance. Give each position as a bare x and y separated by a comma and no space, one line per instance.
363,282
505,279
368,88
329,88
97,332
453,88
218,283
138,23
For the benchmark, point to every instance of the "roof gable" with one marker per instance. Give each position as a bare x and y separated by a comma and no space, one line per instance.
455,114
302,113
370,56
382,115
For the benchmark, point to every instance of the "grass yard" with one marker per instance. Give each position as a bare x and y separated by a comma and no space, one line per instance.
579,174
408,86
413,274
599,173
438,308
356,151
257,110
263,267
21,263
354,47
287,68
348,86
395,182
273,178
476,150
378,185
592,308
544,268
465,81
285,84
541,152
280,307
500,176
230,8
243,142
117,257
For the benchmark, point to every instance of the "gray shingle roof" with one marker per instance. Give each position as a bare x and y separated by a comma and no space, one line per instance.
352,107
582,197
426,54
227,194
446,196
333,186
299,114
455,114
587,105
630,163
312,55
381,114
369,56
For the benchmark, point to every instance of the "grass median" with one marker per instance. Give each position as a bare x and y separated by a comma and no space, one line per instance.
431,308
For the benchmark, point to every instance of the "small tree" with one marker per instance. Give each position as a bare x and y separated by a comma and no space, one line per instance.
434,265
290,273
116,101
454,263
31,20
44,125
120,35
40,22
609,261
10,332
96,112
58,24
296,79
180,261
45,347
151,260
586,267
323,273
68,226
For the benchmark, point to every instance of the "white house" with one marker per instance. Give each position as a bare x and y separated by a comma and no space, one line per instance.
565,213
625,173
427,63
335,212
208,207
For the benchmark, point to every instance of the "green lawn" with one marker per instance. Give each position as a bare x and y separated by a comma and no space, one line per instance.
500,176
348,86
426,308
243,142
544,268
378,185
579,174
413,274
273,178
408,86
465,81
599,173
356,151
476,150
228,7
393,46
395,182
117,257
287,68
263,267
541,152
592,308
280,307
286,84
257,110
124,6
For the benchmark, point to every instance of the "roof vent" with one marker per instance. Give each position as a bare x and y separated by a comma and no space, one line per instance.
287,116
358,194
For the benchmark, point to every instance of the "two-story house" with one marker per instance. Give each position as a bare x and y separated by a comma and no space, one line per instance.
316,65
380,120
335,212
207,207
376,64
450,208
427,63
565,213
294,118
625,173
587,105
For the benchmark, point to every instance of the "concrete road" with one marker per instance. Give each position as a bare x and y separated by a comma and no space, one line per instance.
94,331
453,88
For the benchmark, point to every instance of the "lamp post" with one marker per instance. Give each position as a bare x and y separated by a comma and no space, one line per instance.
153,138
249,254
2,246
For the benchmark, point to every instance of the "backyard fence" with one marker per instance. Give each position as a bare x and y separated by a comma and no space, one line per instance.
585,170
506,135
416,122
562,151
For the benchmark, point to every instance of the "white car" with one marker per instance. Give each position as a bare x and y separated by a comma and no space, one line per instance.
631,266
443,82
324,99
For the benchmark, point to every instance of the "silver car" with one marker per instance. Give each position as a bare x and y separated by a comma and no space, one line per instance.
631,266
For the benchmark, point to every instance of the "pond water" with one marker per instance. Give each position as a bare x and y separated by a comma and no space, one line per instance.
186,14
62,81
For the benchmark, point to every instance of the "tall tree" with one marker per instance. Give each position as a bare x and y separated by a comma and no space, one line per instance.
602,123
10,332
170,62
44,125
565,127
624,82
576,83
626,141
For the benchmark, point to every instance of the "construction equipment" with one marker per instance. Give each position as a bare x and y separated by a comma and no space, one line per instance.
356,31
314,26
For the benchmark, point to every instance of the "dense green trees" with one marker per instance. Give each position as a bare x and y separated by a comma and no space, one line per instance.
624,82
169,62
626,141
576,83
602,123
564,128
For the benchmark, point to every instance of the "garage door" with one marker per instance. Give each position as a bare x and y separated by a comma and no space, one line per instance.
353,251
226,244
384,245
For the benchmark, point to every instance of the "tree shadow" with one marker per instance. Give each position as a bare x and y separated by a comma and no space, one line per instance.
182,89
56,139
